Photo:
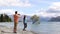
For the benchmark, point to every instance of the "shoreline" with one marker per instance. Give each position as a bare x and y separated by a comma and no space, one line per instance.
6,30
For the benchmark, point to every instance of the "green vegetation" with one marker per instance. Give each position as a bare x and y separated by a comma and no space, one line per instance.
5,18
35,18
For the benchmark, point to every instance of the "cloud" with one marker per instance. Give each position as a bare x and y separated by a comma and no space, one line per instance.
10,12
17,3
7,11
55,5
48,13
52,11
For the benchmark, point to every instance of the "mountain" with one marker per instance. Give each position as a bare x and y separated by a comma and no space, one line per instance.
44,19
55,19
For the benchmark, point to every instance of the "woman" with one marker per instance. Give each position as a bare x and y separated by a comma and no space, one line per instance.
25,23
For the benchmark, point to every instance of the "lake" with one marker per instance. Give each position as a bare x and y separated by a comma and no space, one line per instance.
42,28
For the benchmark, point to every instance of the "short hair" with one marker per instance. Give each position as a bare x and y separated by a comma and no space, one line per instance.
15,12
24,15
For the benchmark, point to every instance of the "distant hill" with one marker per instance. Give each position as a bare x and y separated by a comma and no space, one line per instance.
55,19
44,19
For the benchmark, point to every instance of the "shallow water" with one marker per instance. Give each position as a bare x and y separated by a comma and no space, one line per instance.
42,28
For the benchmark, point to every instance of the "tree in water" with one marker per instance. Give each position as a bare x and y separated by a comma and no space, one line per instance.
35,18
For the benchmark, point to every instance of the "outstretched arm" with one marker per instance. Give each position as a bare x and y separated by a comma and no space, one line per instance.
19,15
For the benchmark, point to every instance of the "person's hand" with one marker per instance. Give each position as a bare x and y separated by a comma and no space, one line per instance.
18,14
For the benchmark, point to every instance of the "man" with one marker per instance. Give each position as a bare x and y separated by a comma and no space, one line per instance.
16,16
24,22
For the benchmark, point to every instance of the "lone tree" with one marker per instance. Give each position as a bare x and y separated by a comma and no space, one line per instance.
35,18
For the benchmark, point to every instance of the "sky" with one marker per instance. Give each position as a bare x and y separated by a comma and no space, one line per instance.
45,8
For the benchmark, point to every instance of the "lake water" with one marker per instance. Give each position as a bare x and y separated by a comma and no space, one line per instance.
42,28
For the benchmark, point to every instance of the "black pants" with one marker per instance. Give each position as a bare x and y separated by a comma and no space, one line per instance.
25,25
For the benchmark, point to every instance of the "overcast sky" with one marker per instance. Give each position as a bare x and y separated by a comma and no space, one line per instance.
45,8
